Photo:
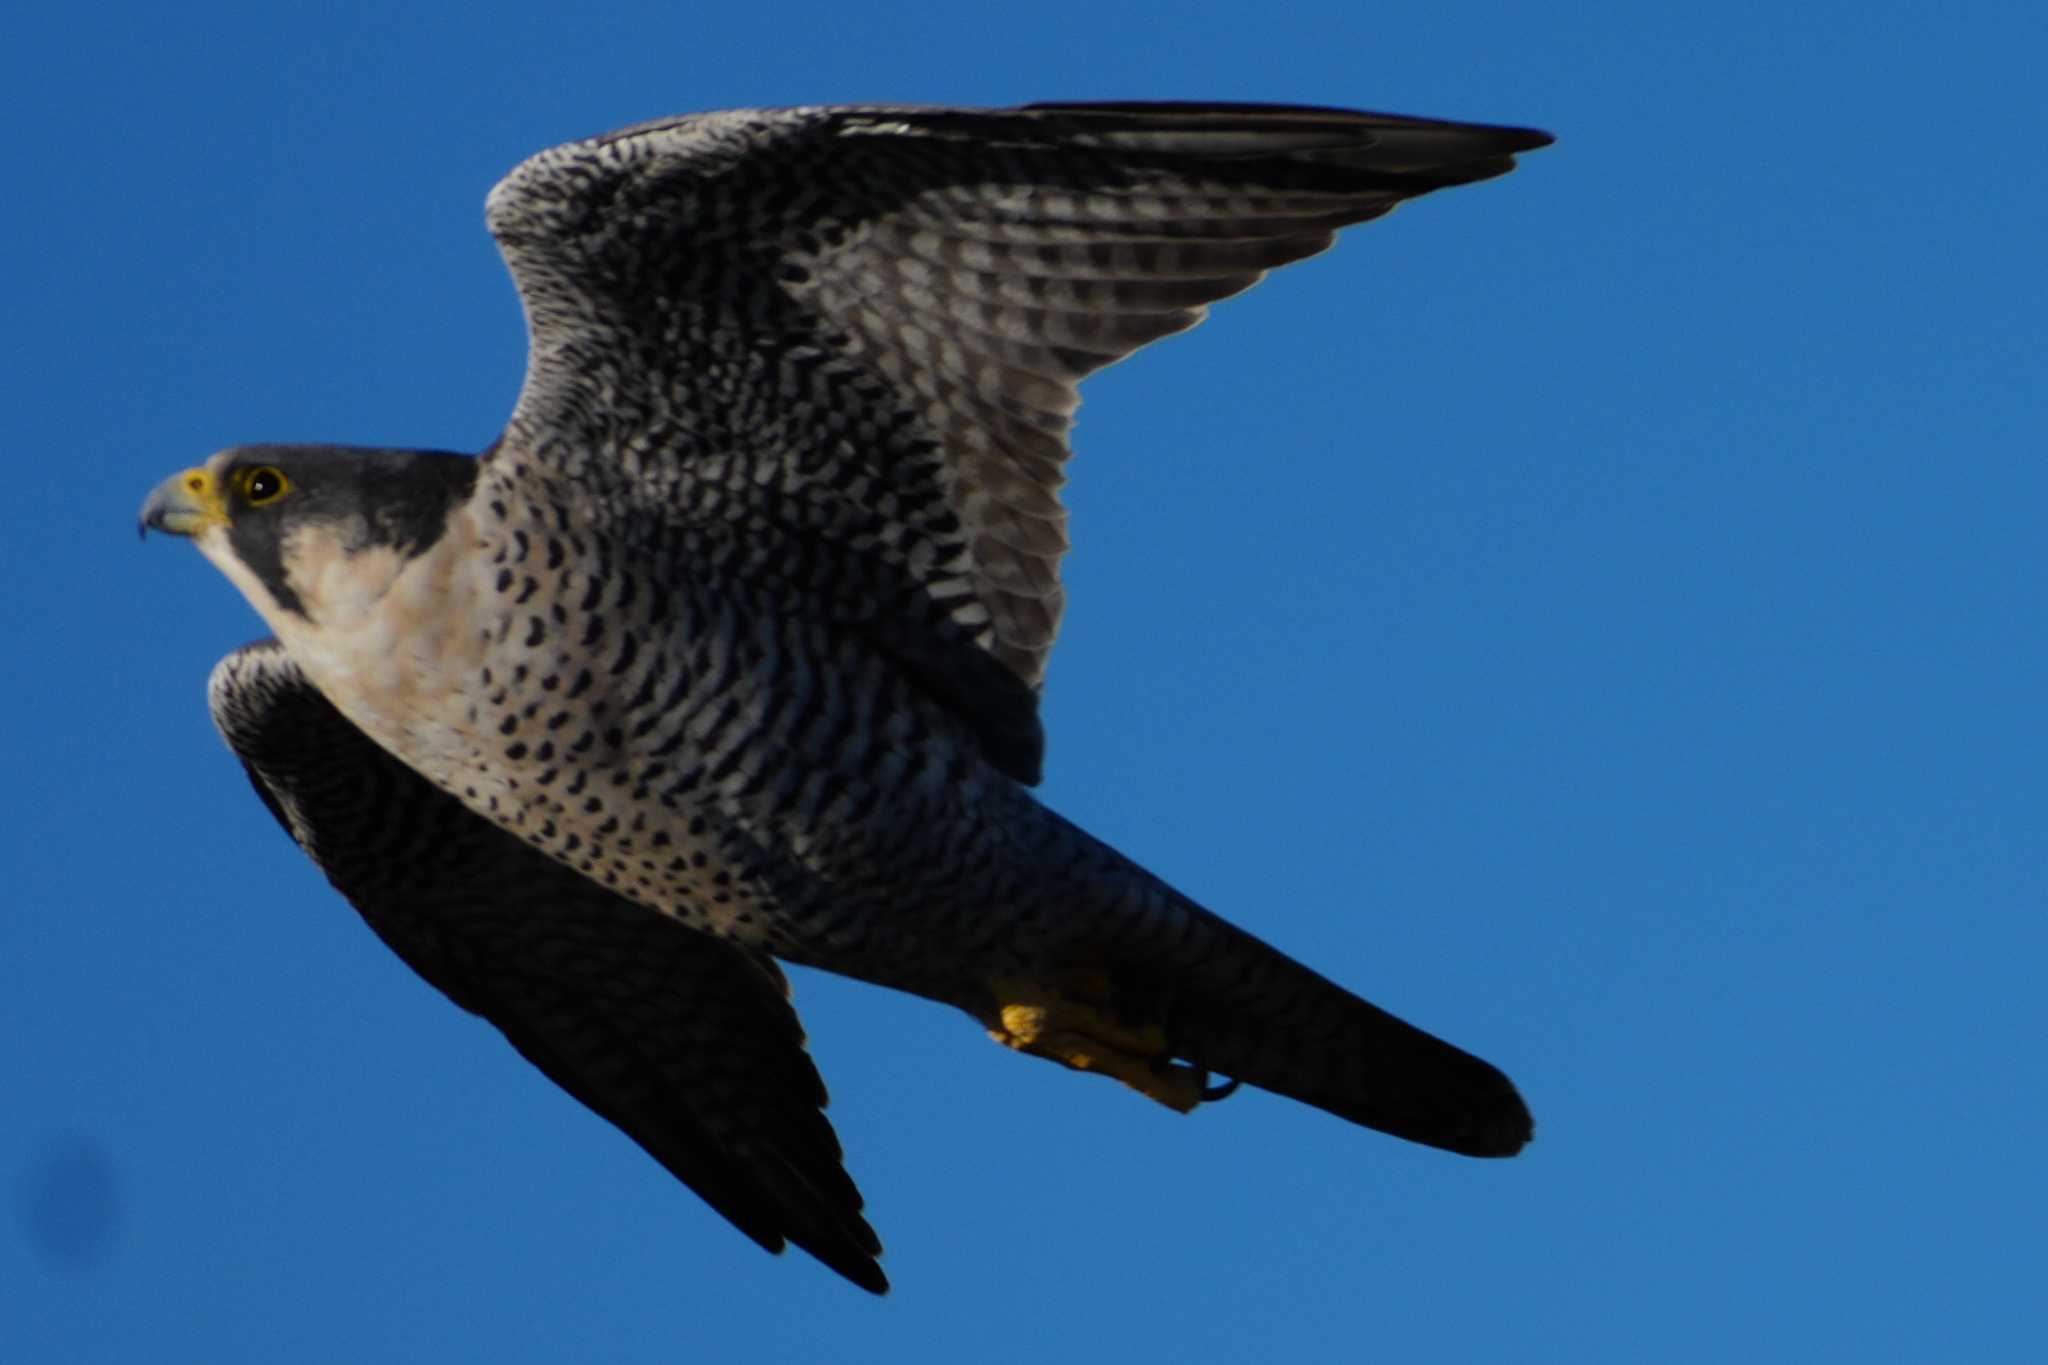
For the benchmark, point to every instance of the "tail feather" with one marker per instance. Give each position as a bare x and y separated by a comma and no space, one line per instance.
1242,1009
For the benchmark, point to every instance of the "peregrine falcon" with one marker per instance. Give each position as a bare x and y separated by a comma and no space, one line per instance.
729,649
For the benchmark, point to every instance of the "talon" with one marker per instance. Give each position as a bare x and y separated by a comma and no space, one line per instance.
1212,1093
1077,1032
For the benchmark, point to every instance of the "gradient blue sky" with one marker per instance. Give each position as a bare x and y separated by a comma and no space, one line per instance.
1598,614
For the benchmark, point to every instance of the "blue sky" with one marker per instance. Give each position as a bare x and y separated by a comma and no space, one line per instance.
1597,614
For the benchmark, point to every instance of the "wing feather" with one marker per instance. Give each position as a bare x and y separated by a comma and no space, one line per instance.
860,330
687,1043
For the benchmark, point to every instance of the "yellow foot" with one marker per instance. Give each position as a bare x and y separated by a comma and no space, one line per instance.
1069,1026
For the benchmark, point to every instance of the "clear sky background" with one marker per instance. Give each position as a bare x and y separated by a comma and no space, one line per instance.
1598,615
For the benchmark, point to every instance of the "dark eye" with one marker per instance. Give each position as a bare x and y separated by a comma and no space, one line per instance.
264,484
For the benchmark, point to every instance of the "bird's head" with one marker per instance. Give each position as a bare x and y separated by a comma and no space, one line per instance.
293,526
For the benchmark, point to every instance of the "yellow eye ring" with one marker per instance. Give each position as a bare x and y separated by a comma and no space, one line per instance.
263,485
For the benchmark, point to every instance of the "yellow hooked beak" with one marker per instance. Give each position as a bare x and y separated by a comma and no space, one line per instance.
184,505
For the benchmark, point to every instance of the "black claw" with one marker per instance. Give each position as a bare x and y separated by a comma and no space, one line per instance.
1213,1093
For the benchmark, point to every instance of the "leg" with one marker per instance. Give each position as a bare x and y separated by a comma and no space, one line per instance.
1068,1021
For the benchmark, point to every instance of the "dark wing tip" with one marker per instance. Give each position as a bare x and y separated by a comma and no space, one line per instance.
861,1271
1500,139
1348,148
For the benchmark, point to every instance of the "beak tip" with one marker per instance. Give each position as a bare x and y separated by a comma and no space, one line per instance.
150,515
179,506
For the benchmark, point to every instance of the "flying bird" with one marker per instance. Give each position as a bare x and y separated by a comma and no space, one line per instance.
729,649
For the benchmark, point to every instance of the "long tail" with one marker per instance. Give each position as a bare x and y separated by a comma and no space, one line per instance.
1230,1004
1237,1007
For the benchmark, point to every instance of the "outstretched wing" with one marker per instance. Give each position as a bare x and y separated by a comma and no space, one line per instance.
833,353
687,1043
